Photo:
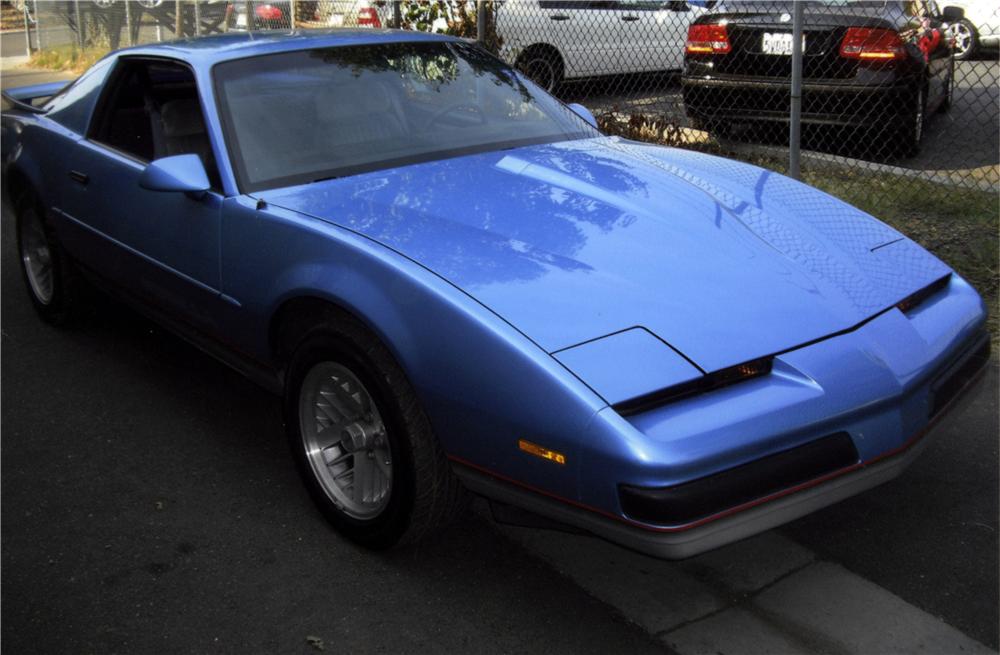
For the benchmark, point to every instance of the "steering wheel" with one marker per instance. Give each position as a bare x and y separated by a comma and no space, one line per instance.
441,113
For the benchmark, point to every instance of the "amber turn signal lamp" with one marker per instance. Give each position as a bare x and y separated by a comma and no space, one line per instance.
538,451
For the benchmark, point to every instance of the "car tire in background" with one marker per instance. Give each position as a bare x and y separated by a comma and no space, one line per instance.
910,135
543,65
949,90
361,441
52,282
966,39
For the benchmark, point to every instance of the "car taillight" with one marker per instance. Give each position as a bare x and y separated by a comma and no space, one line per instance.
267,12
368,17
707,39
872,43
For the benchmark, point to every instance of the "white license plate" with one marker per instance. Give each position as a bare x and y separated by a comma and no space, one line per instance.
336,20
779,43
241,20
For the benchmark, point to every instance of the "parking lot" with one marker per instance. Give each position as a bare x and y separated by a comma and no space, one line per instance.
150,506
963,138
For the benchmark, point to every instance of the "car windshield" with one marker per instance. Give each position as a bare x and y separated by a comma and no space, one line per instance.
303,116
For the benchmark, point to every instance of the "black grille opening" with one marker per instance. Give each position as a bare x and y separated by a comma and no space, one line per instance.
710,495
956,378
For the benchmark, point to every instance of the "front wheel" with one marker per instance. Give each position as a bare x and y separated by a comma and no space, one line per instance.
966,39
362,443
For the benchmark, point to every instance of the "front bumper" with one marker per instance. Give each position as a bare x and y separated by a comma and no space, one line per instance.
736,99
885,384
738,522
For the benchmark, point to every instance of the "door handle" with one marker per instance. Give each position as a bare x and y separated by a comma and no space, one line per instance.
630,19
77,176
559,17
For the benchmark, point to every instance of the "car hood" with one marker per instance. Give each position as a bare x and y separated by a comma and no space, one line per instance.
572,241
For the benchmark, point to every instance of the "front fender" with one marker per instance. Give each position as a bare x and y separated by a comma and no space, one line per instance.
482,383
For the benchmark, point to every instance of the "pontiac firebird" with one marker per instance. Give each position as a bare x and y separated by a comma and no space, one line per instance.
457,283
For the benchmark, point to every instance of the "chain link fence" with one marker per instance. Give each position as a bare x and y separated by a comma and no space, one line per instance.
901,92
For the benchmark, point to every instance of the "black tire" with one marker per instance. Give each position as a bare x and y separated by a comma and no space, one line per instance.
424,493
543,66
949,90
967,40
914,117
59,306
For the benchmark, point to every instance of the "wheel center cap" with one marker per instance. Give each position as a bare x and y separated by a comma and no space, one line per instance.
355,437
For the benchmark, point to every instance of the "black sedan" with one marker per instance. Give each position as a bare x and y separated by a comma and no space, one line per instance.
881,67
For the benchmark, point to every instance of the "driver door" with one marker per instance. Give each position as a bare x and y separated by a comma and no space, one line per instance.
161,247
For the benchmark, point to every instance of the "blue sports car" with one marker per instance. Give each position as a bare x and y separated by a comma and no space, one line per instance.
457,283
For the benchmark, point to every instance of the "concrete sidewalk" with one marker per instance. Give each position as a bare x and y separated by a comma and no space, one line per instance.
763,595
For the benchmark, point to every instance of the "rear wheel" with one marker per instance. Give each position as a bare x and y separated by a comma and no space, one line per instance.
543,66
949,89
911,132
362,443
49,276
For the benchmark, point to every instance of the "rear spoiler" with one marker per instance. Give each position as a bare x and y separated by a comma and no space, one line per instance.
23,97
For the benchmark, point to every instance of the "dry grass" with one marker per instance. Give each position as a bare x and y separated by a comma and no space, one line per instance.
67,58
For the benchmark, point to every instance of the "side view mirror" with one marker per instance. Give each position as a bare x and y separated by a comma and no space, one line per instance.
952,14
177,173
583,113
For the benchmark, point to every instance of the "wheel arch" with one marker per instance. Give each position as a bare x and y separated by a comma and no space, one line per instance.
297,315
17,183
545,48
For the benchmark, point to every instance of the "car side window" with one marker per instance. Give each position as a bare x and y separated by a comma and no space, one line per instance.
151,110
572,4
652,5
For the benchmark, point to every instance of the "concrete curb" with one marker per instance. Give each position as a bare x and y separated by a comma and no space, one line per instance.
7,63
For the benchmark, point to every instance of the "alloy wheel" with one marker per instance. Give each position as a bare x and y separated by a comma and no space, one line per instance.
963,39
345,440
37,258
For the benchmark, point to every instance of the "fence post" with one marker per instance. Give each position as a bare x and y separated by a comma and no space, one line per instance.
197,17
178,19
27,30
481,22
128,23
795,120
397,14
38,26
249,8
291,15
79,23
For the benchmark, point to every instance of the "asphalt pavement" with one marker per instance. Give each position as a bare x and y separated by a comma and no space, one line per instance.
150,505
